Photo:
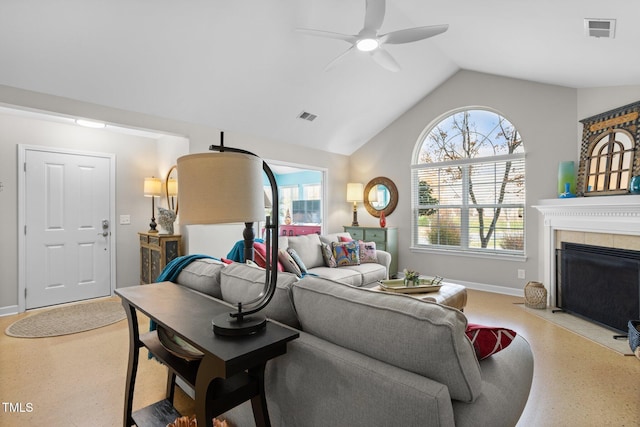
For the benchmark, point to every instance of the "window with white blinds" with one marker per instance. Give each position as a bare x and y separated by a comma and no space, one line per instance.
468,185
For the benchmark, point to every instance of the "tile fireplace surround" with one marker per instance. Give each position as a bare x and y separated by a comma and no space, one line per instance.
609,221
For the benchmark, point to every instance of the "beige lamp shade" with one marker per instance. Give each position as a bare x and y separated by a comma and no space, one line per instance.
152,187
172,187
218,188
355,192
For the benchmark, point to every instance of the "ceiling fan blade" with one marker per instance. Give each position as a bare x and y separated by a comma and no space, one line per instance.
385,60
327,34
373,16
331,64
413,34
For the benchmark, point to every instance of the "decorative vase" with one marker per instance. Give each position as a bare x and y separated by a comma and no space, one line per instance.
634,185
383,220
566,175
166,218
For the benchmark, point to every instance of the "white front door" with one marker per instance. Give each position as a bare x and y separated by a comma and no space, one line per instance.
67,227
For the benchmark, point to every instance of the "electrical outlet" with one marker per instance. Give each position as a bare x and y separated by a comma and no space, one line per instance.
520,273
125,219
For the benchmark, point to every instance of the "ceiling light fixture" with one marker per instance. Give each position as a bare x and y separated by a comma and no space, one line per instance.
90,124
367,45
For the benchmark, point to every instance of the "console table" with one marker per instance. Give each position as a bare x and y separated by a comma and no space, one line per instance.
231,370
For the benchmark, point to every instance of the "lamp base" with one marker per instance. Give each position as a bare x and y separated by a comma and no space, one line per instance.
229,326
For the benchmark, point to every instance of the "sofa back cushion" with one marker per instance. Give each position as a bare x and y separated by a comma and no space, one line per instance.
241,283
308,249
202,275
421,337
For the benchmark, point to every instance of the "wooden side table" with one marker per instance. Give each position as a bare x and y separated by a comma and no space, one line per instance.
156,251
231,371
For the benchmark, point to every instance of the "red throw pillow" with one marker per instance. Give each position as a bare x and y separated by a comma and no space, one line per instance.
488,340
344,239
260,255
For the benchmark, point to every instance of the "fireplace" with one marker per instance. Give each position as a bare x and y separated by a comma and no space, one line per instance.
606,221
601,284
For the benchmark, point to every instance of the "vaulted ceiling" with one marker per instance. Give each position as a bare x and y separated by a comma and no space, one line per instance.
240,65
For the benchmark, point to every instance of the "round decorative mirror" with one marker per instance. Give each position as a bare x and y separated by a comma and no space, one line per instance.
171,188
380,195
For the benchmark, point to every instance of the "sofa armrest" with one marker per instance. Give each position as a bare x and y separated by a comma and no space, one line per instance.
318,383
506,383
384,259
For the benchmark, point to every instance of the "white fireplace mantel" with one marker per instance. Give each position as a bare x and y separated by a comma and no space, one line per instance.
603,214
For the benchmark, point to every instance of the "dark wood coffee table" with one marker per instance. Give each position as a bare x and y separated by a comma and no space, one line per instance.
231,370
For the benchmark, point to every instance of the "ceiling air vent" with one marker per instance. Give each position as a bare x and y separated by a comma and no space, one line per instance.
600,28
307,116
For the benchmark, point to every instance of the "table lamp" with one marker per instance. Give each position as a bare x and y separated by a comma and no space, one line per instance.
153,189
355,194
227,187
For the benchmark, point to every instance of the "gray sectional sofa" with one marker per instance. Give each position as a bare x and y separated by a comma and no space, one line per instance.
308,247
368,358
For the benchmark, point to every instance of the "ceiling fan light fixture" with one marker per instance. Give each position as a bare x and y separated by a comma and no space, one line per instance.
367,45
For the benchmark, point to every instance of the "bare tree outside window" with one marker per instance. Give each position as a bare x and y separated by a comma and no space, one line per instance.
469,176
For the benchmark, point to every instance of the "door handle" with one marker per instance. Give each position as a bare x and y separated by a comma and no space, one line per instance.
105,233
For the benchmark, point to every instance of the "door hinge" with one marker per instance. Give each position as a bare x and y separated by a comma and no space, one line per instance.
25,293
25,230
25,166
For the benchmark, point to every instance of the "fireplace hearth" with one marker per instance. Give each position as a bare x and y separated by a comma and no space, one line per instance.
601,284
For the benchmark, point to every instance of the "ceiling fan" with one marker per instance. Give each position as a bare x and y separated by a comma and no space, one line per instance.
368,39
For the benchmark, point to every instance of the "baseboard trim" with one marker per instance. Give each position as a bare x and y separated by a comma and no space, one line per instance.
491,288
8,310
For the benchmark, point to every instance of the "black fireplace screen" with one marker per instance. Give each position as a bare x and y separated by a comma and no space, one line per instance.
598,283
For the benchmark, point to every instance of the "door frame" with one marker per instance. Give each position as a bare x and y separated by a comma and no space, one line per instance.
22,214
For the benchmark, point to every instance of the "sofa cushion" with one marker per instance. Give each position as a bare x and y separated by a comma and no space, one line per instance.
288,263
371,273
346,253
343,275
327,255
292,252
241,282
308,248
488,340
421,337
333,237
202,275
368,252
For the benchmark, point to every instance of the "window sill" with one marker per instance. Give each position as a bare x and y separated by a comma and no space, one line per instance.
469,254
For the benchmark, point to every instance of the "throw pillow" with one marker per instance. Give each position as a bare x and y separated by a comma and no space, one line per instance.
288,263
344,239
297,259
368,252
346,253
489,340
327,254
260,255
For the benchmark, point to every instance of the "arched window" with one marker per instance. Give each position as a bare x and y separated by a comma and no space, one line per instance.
468,177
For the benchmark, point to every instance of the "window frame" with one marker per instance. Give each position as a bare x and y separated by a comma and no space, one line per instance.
465,206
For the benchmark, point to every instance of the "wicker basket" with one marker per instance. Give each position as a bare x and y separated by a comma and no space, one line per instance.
535,295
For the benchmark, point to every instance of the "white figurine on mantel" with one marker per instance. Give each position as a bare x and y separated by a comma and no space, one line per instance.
166,218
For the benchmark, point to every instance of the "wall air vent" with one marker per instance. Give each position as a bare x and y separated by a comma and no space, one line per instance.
307,116
600,28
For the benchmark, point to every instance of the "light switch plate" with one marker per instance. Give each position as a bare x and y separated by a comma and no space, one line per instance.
125,219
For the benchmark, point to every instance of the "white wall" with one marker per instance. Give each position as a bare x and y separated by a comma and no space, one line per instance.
546,118
136,158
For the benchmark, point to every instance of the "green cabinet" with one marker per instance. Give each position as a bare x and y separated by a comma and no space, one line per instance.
386,239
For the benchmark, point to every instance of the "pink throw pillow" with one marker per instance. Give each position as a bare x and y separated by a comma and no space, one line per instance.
344,239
